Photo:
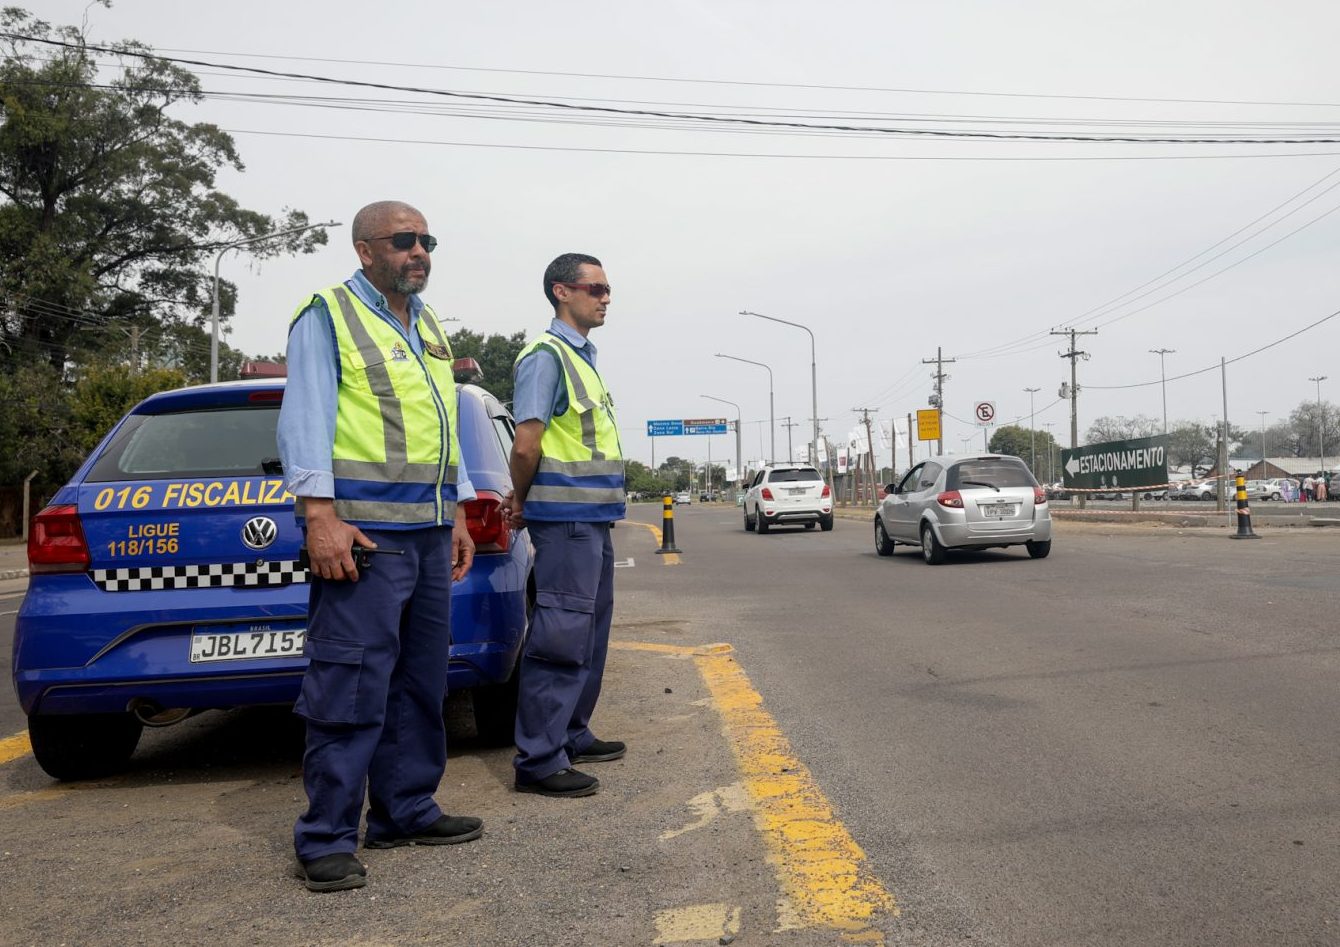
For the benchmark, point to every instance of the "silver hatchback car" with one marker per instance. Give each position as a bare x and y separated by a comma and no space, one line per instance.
965,503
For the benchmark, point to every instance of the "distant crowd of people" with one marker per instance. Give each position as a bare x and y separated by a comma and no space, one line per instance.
1315,489
1309,489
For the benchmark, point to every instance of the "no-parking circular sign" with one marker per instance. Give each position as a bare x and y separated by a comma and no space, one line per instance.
985,413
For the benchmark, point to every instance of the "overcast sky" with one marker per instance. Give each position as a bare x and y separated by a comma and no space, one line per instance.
885,247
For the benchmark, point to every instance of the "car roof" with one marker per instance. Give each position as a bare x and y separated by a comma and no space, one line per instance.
235,394
967,458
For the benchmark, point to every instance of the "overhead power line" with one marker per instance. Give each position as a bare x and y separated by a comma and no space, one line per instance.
706,120
1215,367
1038,340
754,83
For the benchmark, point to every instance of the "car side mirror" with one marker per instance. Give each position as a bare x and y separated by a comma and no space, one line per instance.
890,488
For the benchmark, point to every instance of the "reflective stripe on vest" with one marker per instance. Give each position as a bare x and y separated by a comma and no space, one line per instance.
580,475
395,451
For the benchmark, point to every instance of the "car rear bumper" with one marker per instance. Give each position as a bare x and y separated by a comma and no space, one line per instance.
80,650
981,534
794,516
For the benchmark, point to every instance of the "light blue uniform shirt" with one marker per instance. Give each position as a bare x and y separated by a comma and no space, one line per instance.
540,392
307,415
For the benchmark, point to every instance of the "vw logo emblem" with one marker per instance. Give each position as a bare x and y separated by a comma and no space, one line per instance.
259,532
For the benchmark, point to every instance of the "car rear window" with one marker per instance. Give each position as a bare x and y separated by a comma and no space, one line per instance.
998,473
224,442
783,476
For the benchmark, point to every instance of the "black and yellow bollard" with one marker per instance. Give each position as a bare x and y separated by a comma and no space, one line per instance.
1244,513
668,527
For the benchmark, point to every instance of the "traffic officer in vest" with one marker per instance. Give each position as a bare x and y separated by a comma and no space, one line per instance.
568,488
367,436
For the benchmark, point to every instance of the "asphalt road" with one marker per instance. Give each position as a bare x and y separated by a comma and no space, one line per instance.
1131,742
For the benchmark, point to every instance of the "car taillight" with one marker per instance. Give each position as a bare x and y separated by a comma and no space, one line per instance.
1039,496
950,498
766,494
484,521
827,491
56,542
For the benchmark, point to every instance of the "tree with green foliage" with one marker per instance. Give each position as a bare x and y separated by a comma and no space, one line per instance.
1019,441
50,425
1192,444
639,478
495,354
109,214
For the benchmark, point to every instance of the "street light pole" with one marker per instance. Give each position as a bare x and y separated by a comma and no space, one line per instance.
814,377
1032,431
1321,421
1163,375
1263,442
772,423
739,471
214,322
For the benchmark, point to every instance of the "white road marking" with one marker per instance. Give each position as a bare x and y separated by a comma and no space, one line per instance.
624,563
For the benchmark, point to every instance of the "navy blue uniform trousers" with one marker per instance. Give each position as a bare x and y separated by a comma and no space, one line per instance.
372,695
564,660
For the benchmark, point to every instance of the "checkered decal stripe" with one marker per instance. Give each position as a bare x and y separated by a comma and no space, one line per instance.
212,576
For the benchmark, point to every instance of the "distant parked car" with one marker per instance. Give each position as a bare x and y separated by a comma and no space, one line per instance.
684,497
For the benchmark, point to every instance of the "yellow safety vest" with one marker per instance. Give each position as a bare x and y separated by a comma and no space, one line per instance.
396,451
580,477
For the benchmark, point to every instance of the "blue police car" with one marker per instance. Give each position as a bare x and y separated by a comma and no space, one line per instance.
165,578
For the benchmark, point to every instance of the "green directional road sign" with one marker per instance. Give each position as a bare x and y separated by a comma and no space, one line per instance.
1137,463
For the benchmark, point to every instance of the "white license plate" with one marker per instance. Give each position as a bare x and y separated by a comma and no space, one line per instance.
999,510
797,491
209,646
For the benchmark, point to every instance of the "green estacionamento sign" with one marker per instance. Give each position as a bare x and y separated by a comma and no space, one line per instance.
1138,463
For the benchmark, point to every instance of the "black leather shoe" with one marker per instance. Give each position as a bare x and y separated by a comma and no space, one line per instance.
338,872
601,751
566,782
447,830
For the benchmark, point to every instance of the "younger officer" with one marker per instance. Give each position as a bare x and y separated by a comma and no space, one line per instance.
367,434
567,476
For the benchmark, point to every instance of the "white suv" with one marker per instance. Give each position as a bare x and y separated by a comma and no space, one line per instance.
782,494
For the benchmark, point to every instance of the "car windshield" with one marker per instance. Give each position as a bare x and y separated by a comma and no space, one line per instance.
991,473
225,442
783,476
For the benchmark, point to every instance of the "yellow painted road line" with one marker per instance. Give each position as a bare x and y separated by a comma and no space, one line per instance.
670,558
11,748
825,879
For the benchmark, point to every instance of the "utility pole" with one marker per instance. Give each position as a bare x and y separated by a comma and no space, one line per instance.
893,448
790,455
870,449
939,362
1074,355
1163,374
134,350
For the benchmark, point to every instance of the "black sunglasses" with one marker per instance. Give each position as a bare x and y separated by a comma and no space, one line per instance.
595,290
406,239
